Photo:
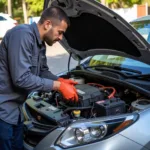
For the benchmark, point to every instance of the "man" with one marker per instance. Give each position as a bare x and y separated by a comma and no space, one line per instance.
23,69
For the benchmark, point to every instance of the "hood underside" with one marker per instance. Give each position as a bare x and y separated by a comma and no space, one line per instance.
95,29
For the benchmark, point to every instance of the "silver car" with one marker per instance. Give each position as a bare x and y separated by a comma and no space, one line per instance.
113,75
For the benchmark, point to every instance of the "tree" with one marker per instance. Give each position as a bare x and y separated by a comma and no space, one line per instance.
122,3
146,1
3,5
17,10
34,7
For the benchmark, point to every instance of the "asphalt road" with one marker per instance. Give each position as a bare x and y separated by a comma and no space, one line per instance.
57,59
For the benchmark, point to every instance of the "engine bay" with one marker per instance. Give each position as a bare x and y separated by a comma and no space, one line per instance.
96,99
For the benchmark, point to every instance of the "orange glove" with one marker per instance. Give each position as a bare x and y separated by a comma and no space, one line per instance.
67,81
68,91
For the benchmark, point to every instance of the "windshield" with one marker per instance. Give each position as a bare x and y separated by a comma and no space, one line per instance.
143,27
113,60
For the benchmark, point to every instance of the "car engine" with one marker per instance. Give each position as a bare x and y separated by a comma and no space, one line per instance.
95,100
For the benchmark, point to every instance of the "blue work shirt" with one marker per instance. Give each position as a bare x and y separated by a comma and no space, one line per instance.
23,69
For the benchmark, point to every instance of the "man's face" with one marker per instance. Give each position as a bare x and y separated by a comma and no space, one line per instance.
55,33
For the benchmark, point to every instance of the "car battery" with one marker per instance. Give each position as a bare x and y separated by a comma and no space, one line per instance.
109,107
88,94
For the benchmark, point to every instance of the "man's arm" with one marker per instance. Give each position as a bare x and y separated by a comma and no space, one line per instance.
20,62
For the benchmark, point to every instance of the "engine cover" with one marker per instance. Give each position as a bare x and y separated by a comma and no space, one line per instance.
88,94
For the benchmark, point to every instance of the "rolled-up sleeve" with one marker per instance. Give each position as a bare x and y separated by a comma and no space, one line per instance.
20,47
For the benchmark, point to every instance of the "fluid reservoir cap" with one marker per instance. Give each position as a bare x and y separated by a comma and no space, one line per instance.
80,80
77,113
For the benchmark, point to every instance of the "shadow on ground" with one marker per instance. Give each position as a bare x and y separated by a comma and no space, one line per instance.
59,63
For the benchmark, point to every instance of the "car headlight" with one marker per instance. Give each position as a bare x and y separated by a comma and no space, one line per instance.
87,131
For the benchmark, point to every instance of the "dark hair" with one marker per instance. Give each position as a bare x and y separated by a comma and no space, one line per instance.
54,14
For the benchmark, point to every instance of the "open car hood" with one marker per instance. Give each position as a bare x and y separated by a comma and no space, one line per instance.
95,29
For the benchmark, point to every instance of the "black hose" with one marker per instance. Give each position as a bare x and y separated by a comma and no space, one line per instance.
69,62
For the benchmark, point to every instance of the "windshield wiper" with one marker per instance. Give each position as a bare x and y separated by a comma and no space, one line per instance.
114,68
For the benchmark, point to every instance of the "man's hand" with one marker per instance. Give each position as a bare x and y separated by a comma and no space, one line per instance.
67,90
67,81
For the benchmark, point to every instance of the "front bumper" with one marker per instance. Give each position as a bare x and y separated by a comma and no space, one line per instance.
47,142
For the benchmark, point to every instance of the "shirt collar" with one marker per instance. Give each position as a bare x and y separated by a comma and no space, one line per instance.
36,31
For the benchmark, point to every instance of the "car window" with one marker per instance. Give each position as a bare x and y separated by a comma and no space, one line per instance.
7,17
113,60
2,18
143,27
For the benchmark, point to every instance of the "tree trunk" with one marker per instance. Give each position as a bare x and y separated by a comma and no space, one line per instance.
103,2
9,8
24,11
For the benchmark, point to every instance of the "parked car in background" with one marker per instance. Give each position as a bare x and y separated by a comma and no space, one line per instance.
142,25
6,23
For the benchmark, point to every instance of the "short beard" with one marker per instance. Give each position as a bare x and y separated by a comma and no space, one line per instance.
48,38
